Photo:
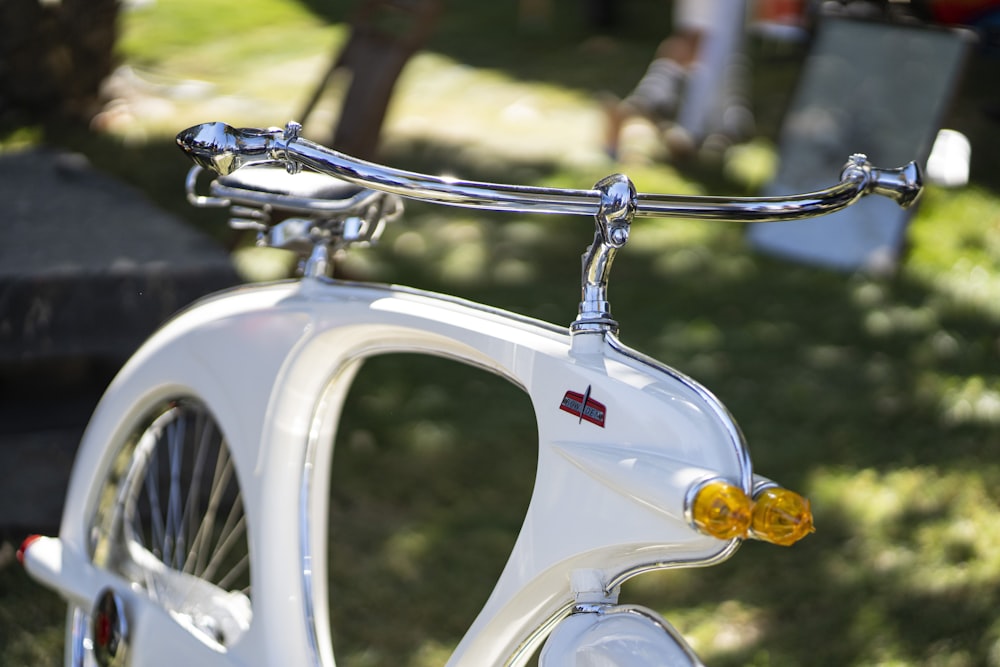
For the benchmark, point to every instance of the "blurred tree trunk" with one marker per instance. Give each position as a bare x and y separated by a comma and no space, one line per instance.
54,54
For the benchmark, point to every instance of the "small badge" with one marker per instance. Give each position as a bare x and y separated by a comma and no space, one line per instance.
584,407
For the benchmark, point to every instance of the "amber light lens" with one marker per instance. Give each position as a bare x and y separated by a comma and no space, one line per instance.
781,517
722,510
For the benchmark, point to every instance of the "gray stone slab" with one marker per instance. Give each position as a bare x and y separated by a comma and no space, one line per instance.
88,266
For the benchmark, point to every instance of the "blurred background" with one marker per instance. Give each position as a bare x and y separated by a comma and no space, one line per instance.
873,390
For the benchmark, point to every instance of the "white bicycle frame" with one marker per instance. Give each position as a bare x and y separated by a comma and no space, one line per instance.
624,444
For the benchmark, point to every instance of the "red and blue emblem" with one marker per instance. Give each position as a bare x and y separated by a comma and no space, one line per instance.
584,407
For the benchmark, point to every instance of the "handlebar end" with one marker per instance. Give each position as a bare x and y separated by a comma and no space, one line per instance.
224,149
210,146
903,185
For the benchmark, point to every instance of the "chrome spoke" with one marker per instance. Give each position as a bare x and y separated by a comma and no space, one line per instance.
153,497
175,456
224,547
237,571
232,524
223,471
192,519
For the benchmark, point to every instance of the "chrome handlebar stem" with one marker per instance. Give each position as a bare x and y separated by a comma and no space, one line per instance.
613,202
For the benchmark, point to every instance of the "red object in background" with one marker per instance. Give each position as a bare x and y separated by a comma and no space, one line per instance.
782,12
962,12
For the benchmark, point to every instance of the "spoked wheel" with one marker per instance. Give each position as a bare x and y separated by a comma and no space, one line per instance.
171,521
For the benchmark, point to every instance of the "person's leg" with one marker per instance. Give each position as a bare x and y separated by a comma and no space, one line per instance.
712,97
657,95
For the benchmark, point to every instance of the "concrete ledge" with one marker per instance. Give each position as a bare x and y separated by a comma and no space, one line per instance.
88,267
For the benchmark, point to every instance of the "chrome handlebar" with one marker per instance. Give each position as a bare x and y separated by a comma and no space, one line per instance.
224,149
612,203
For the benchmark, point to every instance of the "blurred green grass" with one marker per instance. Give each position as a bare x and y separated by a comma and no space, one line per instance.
877,397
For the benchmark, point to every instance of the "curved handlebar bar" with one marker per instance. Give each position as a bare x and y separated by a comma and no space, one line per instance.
224,149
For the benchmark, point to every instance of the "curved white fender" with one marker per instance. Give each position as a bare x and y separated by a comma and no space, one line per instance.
621,441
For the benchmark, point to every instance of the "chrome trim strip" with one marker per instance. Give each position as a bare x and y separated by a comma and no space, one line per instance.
305,548
727,550
736,439
721,412
77,639
320,412
527,648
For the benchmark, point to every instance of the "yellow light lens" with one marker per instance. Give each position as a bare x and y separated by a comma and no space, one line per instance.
781,517
721,510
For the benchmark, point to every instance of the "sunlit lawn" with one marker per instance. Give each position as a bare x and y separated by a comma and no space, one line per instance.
879,398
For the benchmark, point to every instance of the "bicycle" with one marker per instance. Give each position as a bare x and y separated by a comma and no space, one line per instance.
194,528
